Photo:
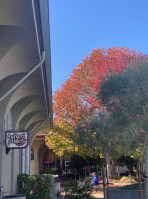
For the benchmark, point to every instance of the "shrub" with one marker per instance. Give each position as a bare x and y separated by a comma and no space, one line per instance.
49,178
128,179
35,186
50,171
76,191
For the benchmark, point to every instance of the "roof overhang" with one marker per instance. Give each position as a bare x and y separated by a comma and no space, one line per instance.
24,27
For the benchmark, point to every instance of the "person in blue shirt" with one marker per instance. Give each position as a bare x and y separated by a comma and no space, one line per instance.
95,180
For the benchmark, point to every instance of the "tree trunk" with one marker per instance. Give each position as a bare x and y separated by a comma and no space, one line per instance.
146,171
108,163
118,171
104,181
113,168
142,164
55,166
79,177
61,161
139,180
108,192
85,171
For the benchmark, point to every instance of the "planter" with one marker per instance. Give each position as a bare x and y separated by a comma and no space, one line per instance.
56,188
16,197
125,193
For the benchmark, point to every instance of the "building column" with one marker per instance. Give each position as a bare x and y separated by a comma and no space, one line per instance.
27,160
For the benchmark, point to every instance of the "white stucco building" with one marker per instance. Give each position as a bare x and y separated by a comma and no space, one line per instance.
25,83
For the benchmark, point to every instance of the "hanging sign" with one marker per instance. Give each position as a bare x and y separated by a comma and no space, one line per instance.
16,139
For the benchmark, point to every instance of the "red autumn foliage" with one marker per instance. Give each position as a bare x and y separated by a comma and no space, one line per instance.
77,97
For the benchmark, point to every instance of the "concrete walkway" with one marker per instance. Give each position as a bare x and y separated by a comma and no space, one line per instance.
53,197
97,195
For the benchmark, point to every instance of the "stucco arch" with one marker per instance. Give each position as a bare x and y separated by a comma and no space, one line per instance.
41,152
27,117
17,15
10,35
9,81
35,105
21,104
33,125
26,57
45,127
24,90
39,116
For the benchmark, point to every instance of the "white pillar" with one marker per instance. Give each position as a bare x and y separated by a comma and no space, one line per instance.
23,160
28,160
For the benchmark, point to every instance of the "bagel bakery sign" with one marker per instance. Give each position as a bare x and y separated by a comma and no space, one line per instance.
16,139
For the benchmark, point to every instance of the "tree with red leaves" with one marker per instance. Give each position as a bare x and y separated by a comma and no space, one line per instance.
77,101
77,97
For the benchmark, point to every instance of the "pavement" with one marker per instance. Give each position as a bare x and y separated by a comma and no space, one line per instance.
97,195
53,197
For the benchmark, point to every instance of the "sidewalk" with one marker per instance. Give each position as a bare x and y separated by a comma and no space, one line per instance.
53,197
97,195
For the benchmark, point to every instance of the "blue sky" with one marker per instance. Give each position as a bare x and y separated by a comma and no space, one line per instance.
79,26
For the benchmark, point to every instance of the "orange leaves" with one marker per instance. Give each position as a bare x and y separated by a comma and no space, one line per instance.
77,96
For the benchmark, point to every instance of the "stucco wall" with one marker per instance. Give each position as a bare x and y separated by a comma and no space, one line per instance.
36,144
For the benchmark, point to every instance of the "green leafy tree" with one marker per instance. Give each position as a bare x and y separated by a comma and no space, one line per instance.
78,163
129,162
125,95
85,139
109,141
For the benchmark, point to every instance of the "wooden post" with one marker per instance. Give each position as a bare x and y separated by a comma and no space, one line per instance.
61,161
107,176
104,181
146,170
118,171
85,171
139,180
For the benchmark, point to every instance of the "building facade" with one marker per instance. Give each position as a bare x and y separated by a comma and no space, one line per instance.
25,82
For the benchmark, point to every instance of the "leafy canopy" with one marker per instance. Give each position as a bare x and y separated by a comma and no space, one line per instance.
76,99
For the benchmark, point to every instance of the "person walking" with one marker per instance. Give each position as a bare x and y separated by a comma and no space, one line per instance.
60,172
